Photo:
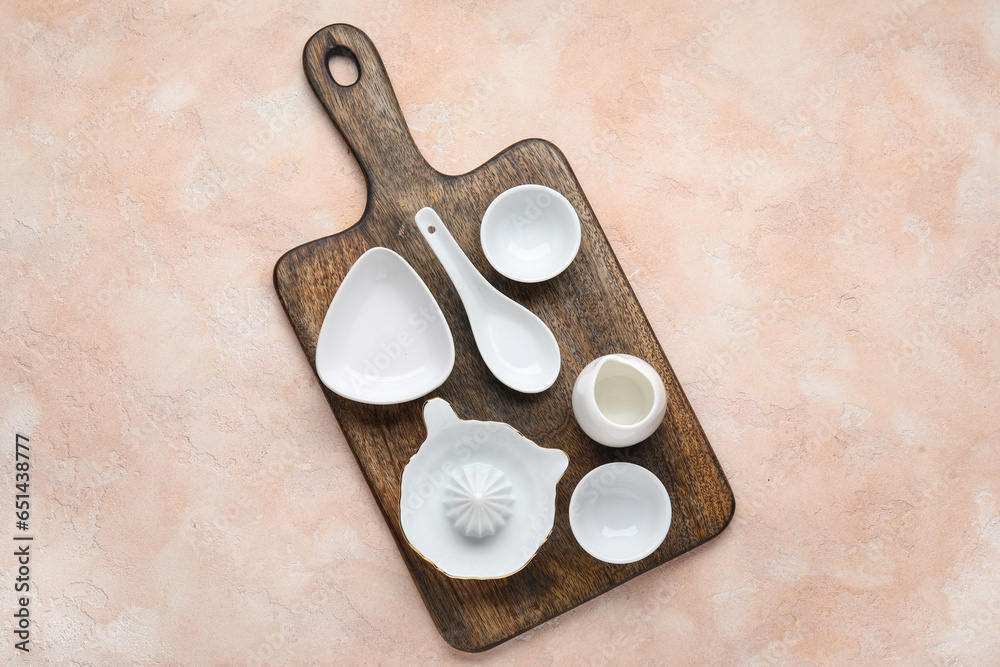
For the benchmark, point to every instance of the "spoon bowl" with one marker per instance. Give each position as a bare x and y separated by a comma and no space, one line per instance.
518,348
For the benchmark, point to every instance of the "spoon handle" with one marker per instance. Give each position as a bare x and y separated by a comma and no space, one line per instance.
517,347
463,273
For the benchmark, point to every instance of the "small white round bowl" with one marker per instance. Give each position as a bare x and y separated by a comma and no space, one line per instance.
619,400
530,233
620,513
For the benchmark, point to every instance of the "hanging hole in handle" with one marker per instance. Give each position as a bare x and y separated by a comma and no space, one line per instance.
343,66
431,229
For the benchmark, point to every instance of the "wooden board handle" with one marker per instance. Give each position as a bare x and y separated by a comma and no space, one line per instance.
366,112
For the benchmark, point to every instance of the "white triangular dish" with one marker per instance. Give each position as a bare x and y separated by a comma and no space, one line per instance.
384,339
505,477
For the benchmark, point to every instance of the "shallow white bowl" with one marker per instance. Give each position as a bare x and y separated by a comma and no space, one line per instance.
620,513
530,233
384,338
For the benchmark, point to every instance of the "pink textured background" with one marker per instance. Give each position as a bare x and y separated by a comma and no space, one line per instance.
805,196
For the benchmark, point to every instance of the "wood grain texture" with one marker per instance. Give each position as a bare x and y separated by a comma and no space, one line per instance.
590,308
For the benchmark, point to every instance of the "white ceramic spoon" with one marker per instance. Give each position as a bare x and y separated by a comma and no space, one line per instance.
518,348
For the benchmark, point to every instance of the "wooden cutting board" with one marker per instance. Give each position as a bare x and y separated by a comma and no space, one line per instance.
590,308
